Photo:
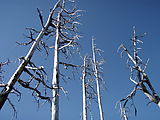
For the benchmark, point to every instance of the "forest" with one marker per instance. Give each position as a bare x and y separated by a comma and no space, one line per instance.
70,59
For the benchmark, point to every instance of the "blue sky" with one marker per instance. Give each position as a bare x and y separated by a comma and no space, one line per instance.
110,22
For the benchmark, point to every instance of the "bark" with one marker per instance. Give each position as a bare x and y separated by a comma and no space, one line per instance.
5,92
84,91
55,84
138,76
55,80
96,73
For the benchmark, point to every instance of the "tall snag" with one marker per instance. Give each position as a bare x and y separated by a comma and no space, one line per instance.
98,78
84,88
138,76
66,36
61,29
92,83
25,60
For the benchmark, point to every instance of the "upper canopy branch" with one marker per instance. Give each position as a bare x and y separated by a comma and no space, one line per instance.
14,78
137,71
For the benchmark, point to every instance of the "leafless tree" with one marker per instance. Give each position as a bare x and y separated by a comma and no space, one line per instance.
84,92
92,82
66,36
98,78
88,88
138,76
27,61
60,27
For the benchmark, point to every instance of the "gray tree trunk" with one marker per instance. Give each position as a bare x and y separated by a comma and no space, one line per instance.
96,73
55,80
14,78
84,91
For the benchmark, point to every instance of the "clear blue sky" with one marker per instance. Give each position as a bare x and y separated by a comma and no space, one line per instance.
110,22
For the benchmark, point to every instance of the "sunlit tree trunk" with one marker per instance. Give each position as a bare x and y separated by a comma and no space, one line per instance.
55,80
138,76
14,78
96,73
84,90
62,25
55,83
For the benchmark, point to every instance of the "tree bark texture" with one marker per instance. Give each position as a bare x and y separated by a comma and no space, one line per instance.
14,78
96,73
84,91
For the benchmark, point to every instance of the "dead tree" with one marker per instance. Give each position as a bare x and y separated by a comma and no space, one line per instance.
66,36
138,76
61,27
92,83
84,92
88,88
96,68
26,60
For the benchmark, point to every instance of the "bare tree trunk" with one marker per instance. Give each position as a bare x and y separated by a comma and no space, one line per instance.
63,24
55,83
55,80
65,37
138,76
84,91
96,73
14,78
